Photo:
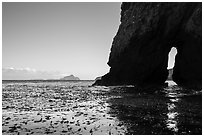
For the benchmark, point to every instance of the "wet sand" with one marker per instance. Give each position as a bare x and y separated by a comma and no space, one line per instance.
75,108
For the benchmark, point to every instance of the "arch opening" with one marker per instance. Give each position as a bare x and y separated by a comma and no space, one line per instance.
171,62
171,58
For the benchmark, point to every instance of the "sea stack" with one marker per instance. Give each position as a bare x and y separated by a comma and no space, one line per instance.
147,32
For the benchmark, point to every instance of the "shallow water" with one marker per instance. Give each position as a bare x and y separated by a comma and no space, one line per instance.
68,107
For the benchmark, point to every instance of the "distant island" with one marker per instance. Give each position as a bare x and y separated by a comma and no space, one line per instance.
70,77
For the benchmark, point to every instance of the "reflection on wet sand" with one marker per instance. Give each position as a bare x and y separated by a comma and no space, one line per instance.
171,120
170,111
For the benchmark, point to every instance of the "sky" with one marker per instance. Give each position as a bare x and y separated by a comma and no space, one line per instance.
52,40
67,38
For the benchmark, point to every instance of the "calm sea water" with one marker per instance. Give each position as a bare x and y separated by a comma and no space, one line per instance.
76,107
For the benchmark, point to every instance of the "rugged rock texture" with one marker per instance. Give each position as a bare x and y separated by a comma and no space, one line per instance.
139,52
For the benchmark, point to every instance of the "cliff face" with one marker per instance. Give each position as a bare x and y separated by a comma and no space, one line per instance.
139,52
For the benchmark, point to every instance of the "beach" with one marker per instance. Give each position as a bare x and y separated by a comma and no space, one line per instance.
77,108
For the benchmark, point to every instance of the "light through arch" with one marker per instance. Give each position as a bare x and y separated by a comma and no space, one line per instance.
171,62
171,59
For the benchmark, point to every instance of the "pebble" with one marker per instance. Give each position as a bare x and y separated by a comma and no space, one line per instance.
8,118
35,121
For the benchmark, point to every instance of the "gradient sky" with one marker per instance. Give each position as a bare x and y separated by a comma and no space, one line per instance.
63,38
73,38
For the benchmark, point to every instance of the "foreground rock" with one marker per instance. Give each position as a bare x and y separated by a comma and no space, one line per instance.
139,52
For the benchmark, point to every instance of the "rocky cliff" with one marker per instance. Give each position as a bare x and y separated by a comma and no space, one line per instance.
139,52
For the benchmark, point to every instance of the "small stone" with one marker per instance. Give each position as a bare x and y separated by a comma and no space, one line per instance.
91,131
8,118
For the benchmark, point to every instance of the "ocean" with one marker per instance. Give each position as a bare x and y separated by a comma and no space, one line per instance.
77,108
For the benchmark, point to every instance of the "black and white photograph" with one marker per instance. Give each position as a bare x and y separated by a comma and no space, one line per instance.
101,68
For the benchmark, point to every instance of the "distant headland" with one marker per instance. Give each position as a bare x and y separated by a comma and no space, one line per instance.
70,77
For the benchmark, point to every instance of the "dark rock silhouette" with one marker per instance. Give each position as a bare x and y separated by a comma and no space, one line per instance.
170,74
148,31
97,78
70,77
